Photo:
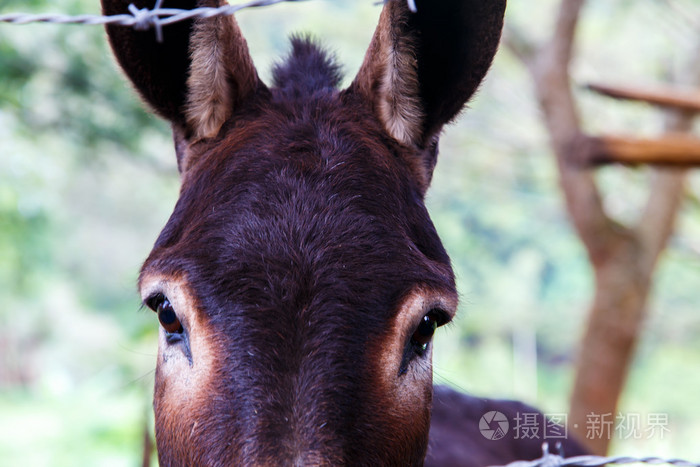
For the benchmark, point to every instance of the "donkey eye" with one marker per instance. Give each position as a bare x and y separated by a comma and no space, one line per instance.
166,314
424,333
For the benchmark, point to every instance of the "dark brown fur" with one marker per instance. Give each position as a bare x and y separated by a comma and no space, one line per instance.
300,247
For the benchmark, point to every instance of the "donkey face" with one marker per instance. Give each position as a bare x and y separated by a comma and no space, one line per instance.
299,279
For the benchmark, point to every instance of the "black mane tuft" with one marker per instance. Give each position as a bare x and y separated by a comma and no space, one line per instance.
307,69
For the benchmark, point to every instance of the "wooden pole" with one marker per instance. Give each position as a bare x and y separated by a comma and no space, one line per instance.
672,149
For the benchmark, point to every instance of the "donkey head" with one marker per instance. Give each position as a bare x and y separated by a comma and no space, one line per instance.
299,280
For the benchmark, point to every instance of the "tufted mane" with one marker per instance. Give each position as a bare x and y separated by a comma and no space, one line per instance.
307,69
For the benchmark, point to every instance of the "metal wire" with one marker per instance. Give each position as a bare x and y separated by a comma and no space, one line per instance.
554,460
143,18
140,19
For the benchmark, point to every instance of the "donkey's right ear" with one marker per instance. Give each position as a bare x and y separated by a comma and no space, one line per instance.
422,67
196,76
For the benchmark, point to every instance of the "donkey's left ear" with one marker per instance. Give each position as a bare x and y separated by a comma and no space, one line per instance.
421,68
196,77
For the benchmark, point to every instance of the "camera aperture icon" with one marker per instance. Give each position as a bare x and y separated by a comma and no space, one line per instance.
494,425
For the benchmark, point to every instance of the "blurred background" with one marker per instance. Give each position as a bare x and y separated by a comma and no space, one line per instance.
88,178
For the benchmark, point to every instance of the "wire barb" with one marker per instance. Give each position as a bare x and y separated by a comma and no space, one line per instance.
144,20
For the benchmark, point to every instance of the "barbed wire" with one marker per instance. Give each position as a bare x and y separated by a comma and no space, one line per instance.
143,19
554,460
140,19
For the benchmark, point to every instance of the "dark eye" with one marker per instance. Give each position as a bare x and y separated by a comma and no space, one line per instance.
424,333
166,314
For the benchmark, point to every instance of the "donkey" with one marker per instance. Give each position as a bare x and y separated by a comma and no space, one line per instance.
299,281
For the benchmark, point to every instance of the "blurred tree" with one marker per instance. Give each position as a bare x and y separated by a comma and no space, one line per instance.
623,258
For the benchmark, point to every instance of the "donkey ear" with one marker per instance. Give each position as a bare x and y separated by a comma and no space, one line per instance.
196,76
421,68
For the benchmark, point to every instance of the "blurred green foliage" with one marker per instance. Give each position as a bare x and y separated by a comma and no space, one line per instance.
88,177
